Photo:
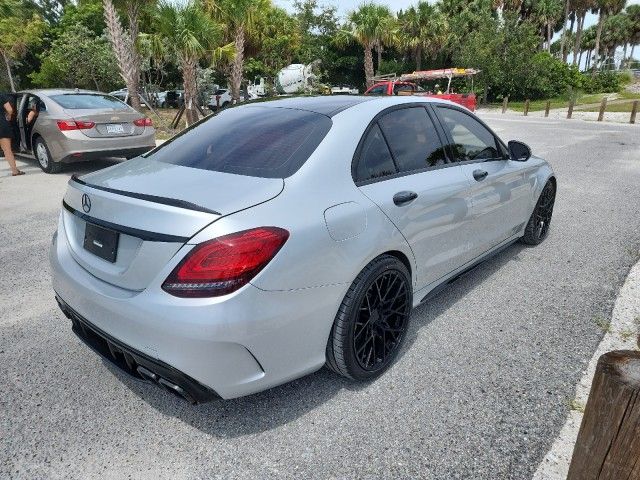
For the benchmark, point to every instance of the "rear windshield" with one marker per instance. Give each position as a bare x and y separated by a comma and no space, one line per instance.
88,100
256,141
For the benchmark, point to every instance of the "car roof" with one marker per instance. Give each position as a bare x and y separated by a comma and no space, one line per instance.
328,105
59,91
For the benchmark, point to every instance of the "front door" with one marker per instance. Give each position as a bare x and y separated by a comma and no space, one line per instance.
500,191
402,167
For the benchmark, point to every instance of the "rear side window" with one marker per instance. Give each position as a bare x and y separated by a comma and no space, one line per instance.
77,101
413,139
471,139
379,90
253,140
375,159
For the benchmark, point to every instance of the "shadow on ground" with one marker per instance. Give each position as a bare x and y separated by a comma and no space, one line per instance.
280,405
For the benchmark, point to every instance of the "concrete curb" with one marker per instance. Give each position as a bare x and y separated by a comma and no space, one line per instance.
622,334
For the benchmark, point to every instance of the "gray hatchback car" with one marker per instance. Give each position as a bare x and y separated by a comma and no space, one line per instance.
79,125
274,238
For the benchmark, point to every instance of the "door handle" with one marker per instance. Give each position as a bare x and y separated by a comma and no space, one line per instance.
401,198
480,175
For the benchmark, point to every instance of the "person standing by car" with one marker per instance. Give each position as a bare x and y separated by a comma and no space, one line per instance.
6,133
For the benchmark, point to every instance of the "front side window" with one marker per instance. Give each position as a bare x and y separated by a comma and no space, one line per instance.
252,140
375,159
79,101
471,139
413,139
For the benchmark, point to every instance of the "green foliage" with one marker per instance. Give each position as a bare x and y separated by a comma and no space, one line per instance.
550,77
78,59
604,81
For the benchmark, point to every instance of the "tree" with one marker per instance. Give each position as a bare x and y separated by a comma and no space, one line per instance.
604,8
634,37
581,7
368,27
21,30
547,13
239,16
78,59
318,25
423,29
124,51
191,36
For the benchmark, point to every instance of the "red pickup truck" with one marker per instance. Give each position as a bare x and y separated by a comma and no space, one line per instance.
397,87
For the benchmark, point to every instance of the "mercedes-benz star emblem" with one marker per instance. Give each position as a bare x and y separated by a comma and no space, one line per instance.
86,203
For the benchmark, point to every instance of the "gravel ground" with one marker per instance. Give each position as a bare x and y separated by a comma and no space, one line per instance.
481,390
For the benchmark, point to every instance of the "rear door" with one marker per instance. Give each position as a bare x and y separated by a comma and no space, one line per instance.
401,166
499,189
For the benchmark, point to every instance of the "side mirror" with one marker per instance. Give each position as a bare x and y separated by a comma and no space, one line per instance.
519,151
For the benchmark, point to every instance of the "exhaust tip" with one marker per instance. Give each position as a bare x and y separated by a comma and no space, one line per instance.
176,390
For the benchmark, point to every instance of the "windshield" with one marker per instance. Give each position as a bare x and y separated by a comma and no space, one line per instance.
76,101
252,140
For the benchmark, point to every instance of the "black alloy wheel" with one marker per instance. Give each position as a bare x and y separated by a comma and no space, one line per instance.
538,226
372,321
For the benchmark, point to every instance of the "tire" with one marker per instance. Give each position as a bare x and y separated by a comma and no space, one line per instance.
537,228
360,325
224,105
43,155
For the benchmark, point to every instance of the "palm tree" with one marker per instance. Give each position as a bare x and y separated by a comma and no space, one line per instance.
547,13
604,8
191,36
563,39
581,8
423,29
587,44
239,17
367,26
634,37
124,50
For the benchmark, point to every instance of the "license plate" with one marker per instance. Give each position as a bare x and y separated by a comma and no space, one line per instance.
101,242
115,128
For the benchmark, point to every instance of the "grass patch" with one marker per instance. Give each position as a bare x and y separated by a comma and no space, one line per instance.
576,406
592,100
611,107
602,323
626,334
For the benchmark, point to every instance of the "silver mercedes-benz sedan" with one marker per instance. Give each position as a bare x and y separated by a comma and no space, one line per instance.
277,237
63,126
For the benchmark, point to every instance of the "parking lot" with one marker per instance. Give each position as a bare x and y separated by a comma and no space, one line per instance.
481,389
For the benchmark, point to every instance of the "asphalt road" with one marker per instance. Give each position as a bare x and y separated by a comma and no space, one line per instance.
480,391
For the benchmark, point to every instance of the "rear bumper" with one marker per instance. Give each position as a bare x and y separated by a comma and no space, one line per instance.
136,363
96,154
74,146
234,345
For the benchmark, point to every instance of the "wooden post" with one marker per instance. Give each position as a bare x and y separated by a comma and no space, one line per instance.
608,444
526,107
603,107
634,110
570,111
505,101
546,108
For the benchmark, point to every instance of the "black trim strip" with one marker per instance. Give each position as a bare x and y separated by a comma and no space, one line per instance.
173,202
134,232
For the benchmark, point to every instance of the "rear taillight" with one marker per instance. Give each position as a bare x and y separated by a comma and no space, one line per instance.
143,122
66,125
225,264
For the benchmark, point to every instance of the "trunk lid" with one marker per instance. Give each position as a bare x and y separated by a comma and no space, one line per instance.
155,207
108,122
